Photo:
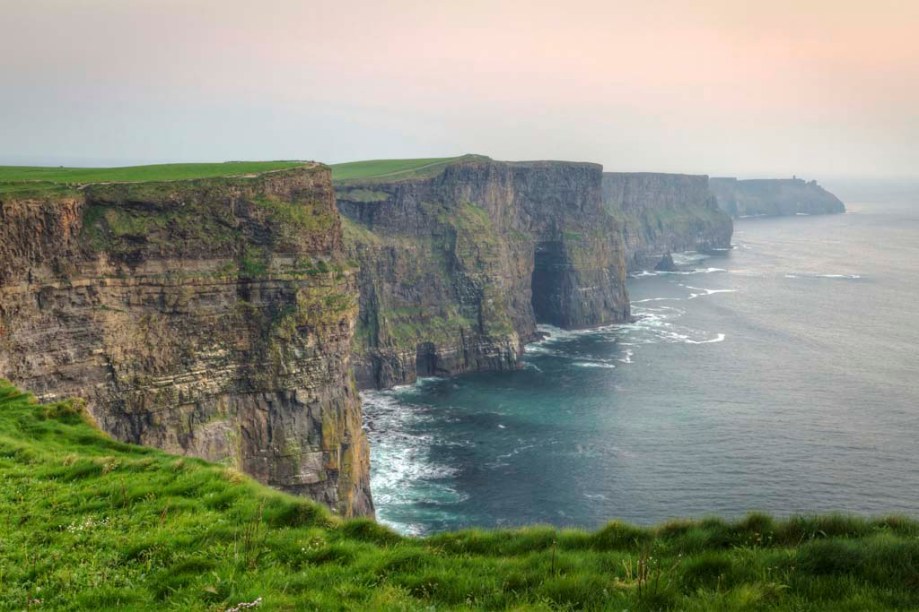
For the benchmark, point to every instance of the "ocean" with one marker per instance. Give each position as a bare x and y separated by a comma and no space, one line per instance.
781,377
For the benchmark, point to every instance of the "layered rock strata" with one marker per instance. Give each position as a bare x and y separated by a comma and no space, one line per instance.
458,267
210,317
662,214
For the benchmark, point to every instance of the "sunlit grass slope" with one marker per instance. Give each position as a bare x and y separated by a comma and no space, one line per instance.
90,523
393,169
158,172
22,178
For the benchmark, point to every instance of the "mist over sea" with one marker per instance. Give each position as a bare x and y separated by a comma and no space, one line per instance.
782,377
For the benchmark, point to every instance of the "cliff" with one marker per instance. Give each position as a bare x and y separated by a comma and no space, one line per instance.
460,259
774,197
664,213
209,317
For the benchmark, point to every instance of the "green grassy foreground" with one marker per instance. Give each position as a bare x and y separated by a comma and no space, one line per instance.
22,178
90,523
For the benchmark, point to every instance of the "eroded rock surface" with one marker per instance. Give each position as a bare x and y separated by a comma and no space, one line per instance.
211,317
459,267
662,214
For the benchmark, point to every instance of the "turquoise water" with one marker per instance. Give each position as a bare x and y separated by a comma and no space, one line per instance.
780,377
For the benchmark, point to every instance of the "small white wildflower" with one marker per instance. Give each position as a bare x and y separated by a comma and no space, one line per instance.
245,606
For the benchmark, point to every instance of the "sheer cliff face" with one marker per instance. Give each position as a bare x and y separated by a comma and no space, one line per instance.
664,213
774,197
212,318
457,268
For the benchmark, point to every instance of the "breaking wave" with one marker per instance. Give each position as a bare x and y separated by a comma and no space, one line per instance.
702,292
830,276
402,472
646,273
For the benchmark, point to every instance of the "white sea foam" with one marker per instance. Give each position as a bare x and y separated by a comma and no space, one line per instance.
539,348
402,471
657,324
707,292
718,338
645,273
830,276
553,335
501,460
688,257
654,323
657,299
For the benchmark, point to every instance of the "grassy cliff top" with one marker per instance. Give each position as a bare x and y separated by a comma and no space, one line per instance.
15,179
157,172
91,523
395,169
390,170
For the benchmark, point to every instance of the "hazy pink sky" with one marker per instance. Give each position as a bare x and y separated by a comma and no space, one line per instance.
767,87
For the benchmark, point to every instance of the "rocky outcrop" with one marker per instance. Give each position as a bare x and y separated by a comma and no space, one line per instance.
212,318
664,213
458,267
774,197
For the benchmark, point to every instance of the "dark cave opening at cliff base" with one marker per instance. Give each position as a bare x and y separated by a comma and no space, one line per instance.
426,360
551,279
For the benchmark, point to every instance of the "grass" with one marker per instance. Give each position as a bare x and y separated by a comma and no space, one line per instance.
90,523
158,172
18,179
394,169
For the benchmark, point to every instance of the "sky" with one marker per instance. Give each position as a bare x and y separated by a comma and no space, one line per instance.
817,88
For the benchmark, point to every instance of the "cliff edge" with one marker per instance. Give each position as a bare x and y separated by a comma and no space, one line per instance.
662,214
210,317
461,258
774,197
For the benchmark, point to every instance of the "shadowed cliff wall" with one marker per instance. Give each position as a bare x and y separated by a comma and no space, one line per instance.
774,197
457,268
664,213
